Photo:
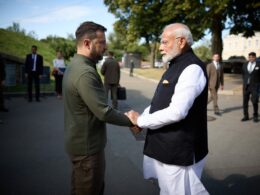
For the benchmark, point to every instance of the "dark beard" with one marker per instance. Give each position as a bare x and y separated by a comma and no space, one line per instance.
95,56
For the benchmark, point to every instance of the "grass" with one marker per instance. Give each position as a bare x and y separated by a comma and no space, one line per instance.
19,45
151,73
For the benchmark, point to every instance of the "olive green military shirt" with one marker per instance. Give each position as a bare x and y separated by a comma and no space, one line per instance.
85,108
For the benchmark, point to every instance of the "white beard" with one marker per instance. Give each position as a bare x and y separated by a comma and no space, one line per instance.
172,54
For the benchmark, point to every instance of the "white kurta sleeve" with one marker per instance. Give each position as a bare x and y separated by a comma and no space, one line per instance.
190,84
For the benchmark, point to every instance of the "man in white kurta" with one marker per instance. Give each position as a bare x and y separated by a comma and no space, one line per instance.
190,86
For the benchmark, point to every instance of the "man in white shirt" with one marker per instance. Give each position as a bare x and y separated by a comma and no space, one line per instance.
176,141
216,79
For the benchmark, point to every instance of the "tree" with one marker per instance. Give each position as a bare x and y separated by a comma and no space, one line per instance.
66,46
71,37
141,18
216,15
138,19
32,34
118,44
16,28
203,52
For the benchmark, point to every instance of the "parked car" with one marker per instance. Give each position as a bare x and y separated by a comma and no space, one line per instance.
233,65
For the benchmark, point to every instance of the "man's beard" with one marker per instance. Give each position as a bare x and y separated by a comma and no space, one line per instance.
95,55
172,54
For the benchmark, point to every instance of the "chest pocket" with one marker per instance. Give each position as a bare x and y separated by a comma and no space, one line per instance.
163,95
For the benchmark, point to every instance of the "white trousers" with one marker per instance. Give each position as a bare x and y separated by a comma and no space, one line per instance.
175,180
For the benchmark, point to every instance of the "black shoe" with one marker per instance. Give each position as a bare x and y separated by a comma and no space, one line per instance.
38,100
4,110
255,119
29,100
217,113
245,119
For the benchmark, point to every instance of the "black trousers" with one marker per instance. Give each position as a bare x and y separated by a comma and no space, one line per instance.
33,77
58,84
113,89
253,92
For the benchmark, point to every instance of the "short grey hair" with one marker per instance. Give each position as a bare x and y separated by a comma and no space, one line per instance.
181,30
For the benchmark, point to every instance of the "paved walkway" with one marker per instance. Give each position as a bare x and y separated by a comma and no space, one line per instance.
33,160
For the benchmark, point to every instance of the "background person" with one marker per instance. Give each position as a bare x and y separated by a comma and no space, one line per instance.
2,84
176,143
111,72
58,70
86,111
215,73
132,66
251,82
33,72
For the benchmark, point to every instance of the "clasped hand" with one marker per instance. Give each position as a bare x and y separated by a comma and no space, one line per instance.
133,116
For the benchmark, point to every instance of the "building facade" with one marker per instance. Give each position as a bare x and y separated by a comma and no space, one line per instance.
237,45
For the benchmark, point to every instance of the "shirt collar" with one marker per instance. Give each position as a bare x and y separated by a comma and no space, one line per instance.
85,59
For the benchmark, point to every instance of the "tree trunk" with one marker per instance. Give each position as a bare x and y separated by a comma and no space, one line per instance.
216,40
153,54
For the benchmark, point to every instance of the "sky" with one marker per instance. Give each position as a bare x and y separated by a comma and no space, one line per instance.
54,17
58,17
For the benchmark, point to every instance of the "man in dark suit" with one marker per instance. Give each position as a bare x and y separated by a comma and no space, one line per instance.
111,71
251,82
2,84
33,72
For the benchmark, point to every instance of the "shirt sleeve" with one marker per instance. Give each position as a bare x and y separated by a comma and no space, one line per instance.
190,84
92,93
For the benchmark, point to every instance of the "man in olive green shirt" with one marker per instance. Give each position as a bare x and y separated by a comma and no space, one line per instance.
86,111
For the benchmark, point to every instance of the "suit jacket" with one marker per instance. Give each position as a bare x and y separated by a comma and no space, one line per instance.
29,64
2,70
111,71
216,77
254,76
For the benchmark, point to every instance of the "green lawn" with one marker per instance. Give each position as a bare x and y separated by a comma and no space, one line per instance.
152,73
19,45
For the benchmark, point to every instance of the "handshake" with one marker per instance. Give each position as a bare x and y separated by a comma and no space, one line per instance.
133,116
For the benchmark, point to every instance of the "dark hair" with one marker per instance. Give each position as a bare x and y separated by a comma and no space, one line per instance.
34,46
89,29
252,54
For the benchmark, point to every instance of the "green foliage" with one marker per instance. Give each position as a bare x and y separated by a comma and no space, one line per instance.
146,19
19,45
203,52
119,45
67,46
245,17
16,28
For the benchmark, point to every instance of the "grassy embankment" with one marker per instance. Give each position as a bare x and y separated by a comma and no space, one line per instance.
17,44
